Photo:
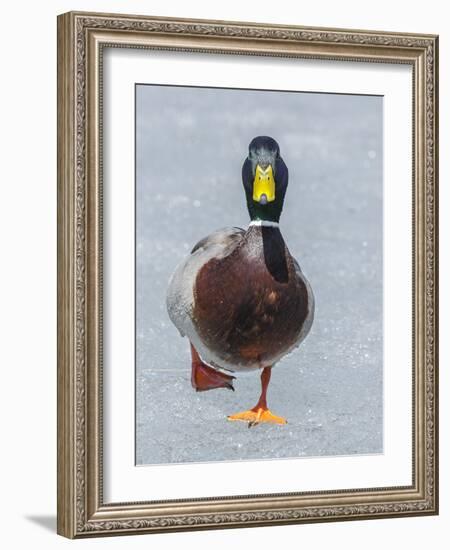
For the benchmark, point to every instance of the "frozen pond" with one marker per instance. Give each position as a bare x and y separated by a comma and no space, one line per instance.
191,143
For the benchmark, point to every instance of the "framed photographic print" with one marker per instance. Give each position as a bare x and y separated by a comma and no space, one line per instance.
247,274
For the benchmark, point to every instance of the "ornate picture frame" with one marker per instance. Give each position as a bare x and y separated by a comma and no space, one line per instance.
82,40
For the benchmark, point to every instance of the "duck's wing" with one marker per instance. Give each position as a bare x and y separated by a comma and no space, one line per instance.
226,238
180,292
311,302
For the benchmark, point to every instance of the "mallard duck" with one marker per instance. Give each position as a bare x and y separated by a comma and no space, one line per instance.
240,297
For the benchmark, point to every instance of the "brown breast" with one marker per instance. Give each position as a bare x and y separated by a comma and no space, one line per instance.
250,306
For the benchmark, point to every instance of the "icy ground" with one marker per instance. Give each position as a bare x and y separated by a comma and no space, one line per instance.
190,147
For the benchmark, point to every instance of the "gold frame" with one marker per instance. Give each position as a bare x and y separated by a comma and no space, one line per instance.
81,38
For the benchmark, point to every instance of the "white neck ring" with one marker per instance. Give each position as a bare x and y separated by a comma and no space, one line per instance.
264,223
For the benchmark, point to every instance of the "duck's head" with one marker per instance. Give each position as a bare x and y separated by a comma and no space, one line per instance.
265,179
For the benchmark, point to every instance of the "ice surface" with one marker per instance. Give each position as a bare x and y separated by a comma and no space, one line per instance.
191,143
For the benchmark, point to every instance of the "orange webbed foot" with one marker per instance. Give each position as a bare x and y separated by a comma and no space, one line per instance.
257,415
204,377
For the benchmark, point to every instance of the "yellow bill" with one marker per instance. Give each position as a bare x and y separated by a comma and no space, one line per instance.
264,184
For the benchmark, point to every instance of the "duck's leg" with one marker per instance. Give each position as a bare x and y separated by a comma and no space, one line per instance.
260,412
204,377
